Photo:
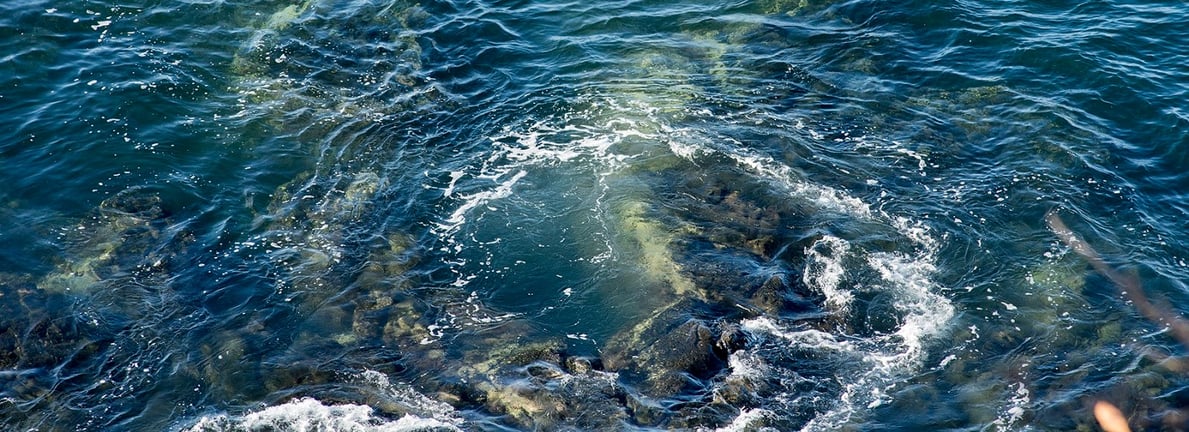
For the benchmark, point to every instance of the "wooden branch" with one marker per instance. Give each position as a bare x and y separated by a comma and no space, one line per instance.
1128,284
1109,417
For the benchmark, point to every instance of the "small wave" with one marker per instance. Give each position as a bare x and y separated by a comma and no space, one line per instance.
747,420
310,414
421,413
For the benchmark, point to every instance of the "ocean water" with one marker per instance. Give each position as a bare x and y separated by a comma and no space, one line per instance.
756,215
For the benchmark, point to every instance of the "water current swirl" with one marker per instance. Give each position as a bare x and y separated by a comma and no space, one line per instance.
356,215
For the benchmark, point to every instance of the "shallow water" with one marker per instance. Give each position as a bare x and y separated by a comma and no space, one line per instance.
636,215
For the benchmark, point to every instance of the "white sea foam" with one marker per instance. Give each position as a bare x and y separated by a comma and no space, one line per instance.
503,189
783,176
309,414
1011,414
809,338
417,403
924,313
747,364
312,415
877,361
516,153
454,176
824,271
746,420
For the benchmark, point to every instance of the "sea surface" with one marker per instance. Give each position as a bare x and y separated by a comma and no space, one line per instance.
475,215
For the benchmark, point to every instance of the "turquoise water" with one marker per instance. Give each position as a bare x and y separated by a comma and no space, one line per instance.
632,215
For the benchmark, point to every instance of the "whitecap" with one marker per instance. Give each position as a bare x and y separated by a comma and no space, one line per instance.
875,359
310,414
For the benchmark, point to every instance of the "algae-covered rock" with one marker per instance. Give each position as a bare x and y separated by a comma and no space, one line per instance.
660,84
324,205
37,343
655,241
229,364
721,244
357,195
404,325
386,267
31,335
794,7
309,223
282,18
773,297
513,352
543,397
711,246
669,349
117,239
1059,275
528,384
292,78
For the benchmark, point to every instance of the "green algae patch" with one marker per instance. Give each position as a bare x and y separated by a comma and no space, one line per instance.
286,16
655,242
113,243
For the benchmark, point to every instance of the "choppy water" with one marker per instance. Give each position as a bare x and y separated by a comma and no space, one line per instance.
467,215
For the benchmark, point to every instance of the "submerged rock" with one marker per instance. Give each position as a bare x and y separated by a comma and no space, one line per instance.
31,335
117,241
311,226
655,242
41,350
720,253
294,76
529,385
671,351
795,7
282,18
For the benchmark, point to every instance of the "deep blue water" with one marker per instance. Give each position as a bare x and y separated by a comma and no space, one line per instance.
629,215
